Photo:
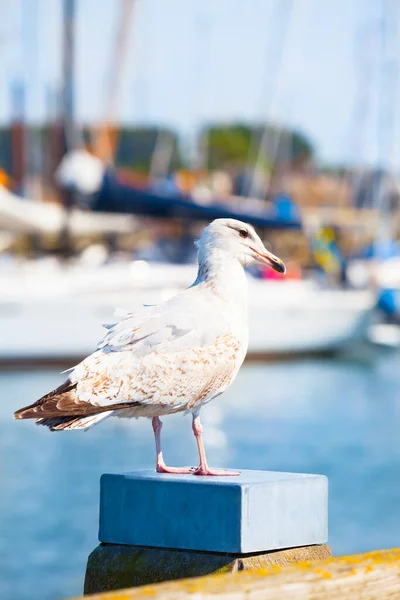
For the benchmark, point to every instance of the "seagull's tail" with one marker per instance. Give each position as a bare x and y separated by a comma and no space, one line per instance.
69,423
62,409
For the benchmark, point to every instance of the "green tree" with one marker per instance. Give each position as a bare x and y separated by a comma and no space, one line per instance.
239,144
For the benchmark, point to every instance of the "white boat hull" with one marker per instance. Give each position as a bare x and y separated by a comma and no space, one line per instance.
60,319
316,321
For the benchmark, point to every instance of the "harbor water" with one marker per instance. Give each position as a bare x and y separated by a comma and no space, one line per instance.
332,416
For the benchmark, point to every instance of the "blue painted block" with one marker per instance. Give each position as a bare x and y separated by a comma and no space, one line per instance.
254,512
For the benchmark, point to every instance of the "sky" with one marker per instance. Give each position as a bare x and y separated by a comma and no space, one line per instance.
325,67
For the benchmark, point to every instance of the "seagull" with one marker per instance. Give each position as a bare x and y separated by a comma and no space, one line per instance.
168,358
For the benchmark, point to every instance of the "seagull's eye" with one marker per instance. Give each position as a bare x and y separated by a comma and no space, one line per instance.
243,233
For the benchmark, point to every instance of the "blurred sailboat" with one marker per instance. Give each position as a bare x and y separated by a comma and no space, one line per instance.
50,313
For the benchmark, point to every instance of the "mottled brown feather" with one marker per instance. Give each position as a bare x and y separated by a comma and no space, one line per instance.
64,387
62,402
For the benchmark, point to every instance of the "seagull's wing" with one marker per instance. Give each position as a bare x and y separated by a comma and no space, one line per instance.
177,379
170,354
184,321
162,359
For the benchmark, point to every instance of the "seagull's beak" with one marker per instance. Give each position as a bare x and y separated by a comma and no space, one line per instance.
267,258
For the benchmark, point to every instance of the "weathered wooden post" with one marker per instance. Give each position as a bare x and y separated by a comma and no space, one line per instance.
156,527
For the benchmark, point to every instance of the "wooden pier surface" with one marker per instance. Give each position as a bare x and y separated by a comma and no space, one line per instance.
374,575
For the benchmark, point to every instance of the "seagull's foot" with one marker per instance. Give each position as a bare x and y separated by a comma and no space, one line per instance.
176,470
206,471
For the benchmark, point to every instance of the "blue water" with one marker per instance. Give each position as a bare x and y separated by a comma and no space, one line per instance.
340,418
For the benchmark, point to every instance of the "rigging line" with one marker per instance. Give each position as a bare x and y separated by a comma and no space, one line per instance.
386,114
276,79
382,88
201,63
165,142
34,140
391,79
265,76
396,85
29,35
162,155
27,82
105,146
361,109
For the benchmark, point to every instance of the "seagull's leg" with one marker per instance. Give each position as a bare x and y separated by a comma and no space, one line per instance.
161,467
203,468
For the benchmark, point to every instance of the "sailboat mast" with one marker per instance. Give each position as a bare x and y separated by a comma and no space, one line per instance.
69,140
105,143
18,135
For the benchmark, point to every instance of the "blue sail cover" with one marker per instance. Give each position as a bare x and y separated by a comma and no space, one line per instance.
121,198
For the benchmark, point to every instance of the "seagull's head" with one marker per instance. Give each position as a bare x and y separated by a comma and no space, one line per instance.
241,241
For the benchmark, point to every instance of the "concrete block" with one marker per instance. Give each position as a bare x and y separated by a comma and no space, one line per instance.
257,511
114,567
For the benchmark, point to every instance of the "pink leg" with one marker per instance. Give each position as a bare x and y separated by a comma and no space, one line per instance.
203,468
161,467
